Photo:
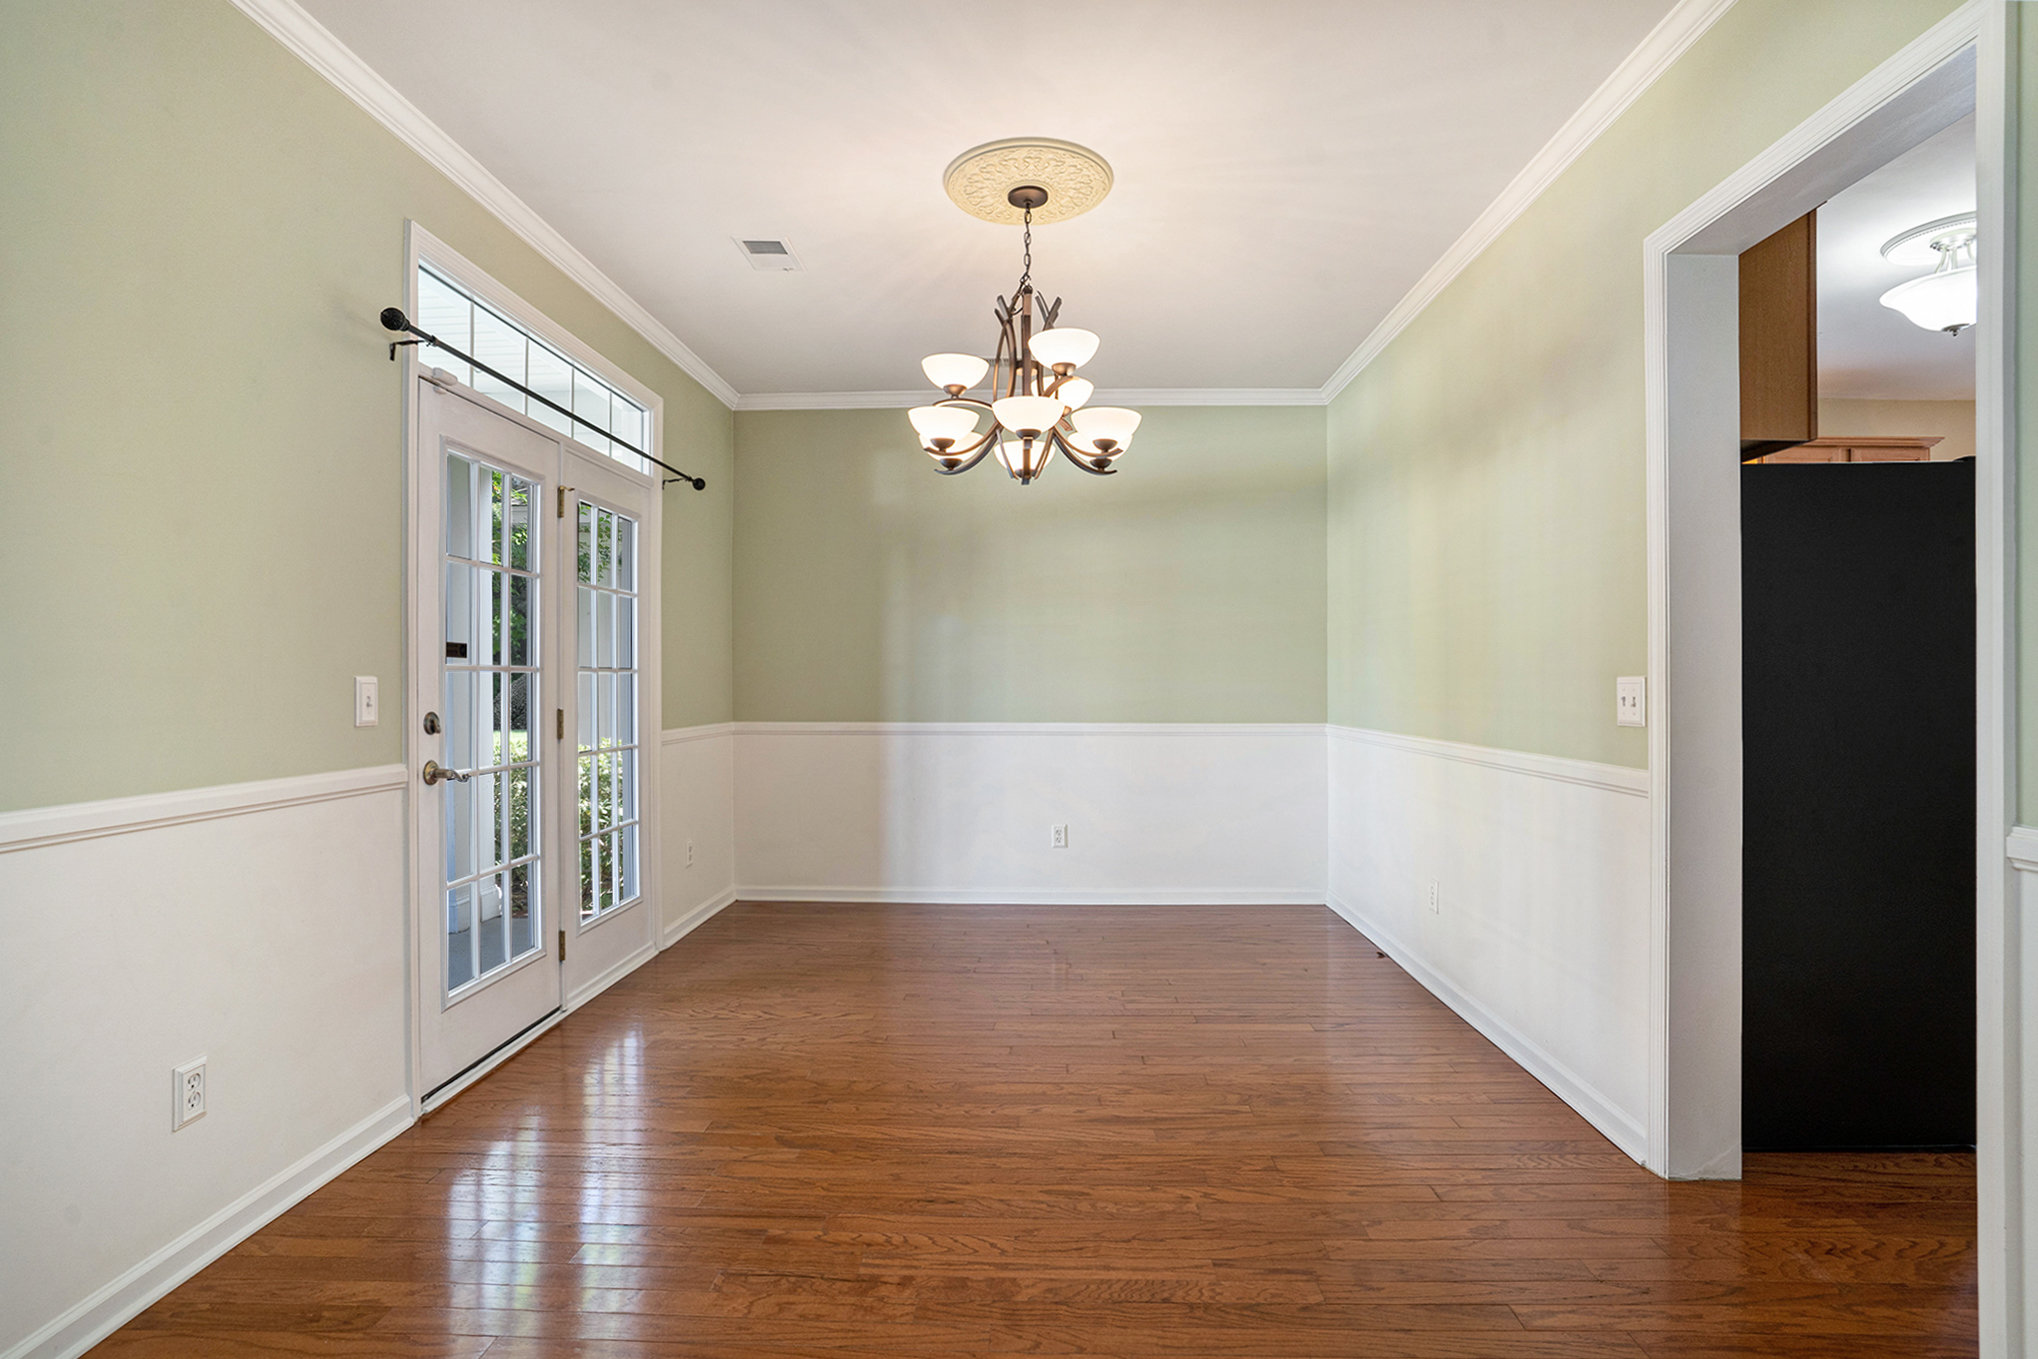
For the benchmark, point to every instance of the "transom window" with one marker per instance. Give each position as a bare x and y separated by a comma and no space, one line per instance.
458,317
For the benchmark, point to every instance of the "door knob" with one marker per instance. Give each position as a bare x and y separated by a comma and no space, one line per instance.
435,772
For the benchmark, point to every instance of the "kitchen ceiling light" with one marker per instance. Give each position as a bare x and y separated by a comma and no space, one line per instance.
1948,298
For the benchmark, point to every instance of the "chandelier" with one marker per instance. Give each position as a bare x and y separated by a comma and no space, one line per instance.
1037,405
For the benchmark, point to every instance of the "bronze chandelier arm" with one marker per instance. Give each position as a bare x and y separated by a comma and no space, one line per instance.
983,442
983,451
1063,444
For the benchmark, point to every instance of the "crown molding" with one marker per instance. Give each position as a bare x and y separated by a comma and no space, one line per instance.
313,44
1123,396
1684,25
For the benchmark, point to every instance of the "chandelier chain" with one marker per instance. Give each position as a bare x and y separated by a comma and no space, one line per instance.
1026,264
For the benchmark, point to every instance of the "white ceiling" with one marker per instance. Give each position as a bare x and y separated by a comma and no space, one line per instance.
1286,169
1865,349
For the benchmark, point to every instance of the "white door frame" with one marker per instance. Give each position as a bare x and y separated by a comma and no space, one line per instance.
1691,379
420,244
499,1010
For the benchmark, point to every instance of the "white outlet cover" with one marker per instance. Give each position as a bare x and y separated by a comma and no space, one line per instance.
1631,701
1058,837
187,1093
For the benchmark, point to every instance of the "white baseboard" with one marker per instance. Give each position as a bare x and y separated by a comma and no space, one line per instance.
120,1301
698,916
615,972
1619,1128
974,896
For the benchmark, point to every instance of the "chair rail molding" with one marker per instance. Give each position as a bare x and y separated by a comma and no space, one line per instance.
38,827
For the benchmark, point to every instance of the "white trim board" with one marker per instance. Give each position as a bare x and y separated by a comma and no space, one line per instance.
2021,848
1614,778
1625,1132
614,973
113,1306
673,736
700,915
1022,729
1103,897
40,826
1121,396
313,44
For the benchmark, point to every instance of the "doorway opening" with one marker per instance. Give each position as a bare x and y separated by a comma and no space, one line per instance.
534,674
1858,664
1691,276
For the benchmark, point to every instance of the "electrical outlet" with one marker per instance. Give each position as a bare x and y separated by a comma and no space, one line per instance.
1630,701
1435,899
689,854
187,1093
1058,837
367,701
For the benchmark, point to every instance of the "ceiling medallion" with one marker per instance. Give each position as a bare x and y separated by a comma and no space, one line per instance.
981,179
1036,402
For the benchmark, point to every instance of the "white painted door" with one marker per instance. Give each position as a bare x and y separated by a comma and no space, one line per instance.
610,705
487,656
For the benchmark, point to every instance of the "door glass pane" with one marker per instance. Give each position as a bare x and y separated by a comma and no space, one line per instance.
608,694
492,690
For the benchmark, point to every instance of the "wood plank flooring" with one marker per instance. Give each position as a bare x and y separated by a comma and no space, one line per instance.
893,1130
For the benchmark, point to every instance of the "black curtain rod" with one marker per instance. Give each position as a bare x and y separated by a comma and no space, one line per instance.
394,319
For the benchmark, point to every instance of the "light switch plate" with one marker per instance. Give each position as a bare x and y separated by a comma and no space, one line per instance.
1630,701
367,701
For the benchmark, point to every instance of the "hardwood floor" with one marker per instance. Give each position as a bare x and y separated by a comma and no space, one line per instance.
885,1131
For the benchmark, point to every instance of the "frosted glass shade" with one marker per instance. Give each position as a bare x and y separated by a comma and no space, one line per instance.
1028,414
954,370
954,423
1114,423
1074,392
1025,461
1948,300
1064,345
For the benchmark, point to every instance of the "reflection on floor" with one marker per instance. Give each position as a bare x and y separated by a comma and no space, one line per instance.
900,1130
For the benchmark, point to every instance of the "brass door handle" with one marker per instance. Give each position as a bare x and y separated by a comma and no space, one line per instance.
435,772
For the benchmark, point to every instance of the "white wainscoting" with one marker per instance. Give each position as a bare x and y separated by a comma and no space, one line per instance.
697,773
259,926
961,811
1541,938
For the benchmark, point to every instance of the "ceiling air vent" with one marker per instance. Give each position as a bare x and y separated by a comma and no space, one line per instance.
769,255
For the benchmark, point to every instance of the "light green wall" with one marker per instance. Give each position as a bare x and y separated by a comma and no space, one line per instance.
1487,521
1187,588
201,502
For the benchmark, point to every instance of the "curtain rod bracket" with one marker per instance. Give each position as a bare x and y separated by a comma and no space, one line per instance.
394,319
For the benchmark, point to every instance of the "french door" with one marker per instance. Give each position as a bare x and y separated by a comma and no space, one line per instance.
527,707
